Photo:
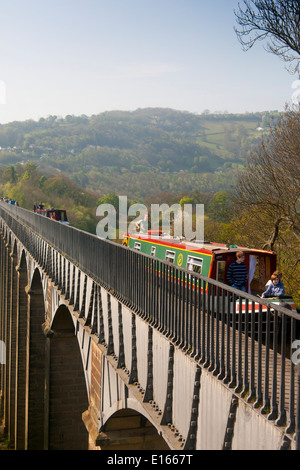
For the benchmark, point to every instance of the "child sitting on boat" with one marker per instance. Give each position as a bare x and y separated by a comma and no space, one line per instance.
275,288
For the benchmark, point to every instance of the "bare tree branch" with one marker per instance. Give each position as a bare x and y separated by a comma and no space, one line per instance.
270,182
277,21
270,243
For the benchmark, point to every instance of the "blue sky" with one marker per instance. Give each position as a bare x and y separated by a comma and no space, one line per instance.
60,57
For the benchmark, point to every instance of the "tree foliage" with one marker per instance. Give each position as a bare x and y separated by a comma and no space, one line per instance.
267,199
27,185
270,183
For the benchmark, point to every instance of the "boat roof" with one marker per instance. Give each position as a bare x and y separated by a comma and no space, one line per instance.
50,210
194,245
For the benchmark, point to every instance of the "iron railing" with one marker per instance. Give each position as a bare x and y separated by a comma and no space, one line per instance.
244,341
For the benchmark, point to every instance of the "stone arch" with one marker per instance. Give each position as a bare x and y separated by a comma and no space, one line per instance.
21,352
12,343
5,324
35,373
66,390
9,239
14,248
127,429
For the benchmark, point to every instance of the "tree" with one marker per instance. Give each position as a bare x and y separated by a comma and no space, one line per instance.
274,20
110,198
186,200
219,207
270,183
30,170
10,175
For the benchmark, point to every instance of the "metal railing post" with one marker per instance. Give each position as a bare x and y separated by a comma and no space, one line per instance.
297,435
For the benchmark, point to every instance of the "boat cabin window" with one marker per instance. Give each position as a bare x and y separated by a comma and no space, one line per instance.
63,216
137,246
54,215
170,256
221,271
153,250
194,264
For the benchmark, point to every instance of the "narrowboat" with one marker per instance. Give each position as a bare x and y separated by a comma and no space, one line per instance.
60,215
209,259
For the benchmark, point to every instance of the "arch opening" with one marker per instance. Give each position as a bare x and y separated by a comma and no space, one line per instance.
21,353
67,393
35,366
127,429
12,345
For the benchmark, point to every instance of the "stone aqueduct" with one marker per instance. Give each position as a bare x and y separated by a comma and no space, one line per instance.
85,369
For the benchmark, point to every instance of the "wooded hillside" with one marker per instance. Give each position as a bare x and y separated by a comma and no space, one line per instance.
150,156
138,152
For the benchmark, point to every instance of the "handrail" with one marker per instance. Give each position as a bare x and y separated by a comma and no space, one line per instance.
246,351
52,232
